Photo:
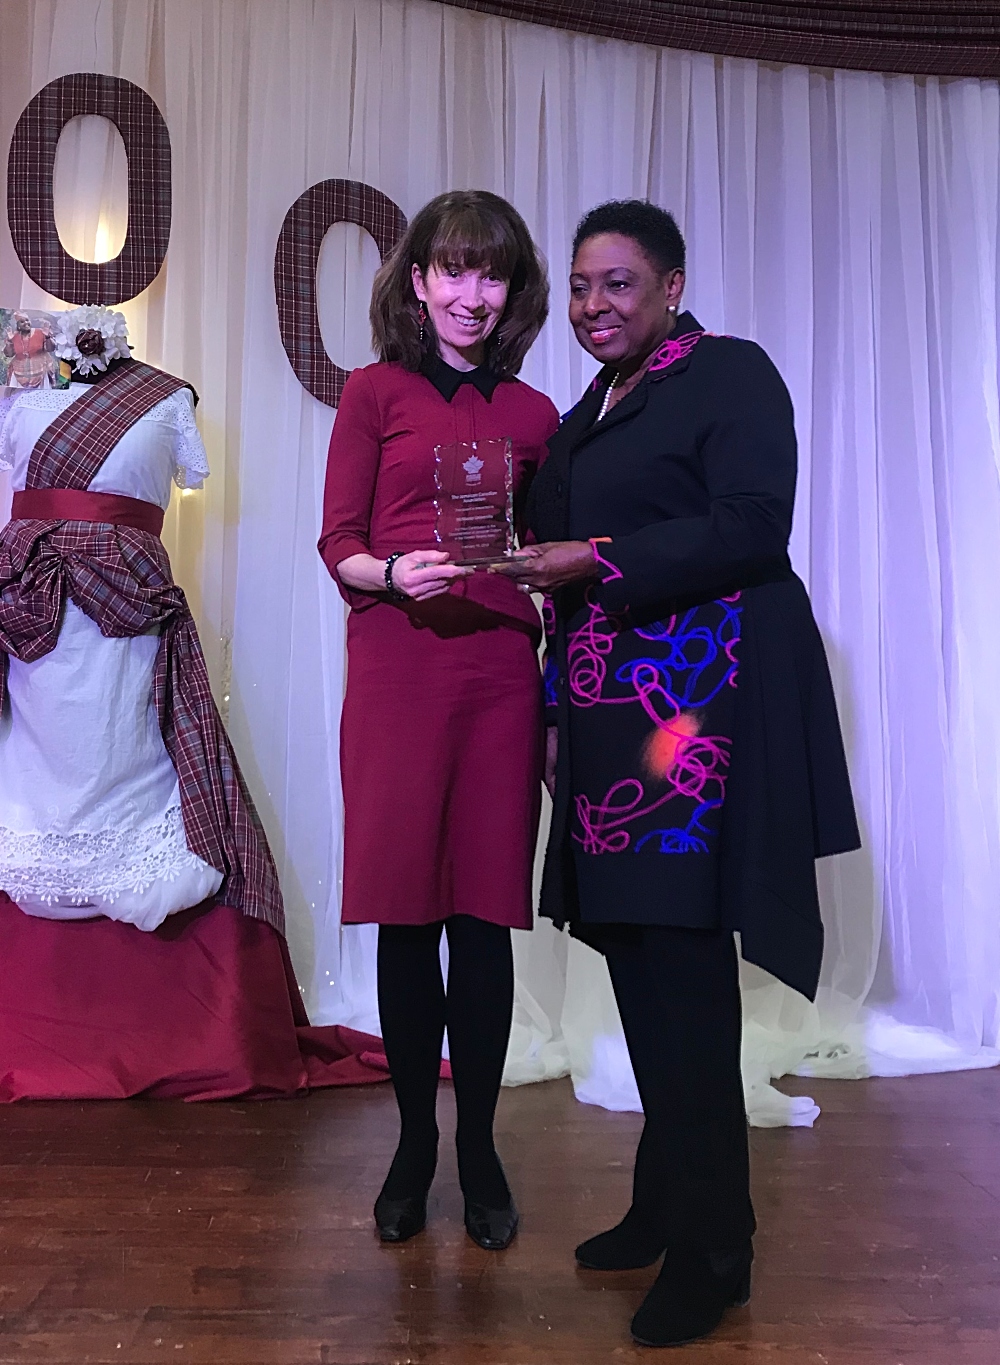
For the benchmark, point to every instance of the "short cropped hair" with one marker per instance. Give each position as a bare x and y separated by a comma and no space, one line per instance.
649,226
470,229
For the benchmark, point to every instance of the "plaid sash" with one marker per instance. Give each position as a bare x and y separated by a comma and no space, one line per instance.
72,449
120,576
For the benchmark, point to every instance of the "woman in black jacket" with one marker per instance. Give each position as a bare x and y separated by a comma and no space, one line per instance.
695,752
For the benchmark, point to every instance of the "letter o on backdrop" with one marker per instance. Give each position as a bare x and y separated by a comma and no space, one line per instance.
30,206
295,260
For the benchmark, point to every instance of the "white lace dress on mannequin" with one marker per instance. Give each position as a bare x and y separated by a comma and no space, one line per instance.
90,811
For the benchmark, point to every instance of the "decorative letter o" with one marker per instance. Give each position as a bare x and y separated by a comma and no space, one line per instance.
295,260
30,207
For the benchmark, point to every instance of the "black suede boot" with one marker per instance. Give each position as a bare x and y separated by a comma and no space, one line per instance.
631,1245
690,1296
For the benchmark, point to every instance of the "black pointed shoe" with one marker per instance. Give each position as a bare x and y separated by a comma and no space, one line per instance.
632,1245
690,1296
492,1229
400,1219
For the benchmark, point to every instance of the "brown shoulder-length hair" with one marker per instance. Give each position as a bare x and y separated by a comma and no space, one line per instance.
471,229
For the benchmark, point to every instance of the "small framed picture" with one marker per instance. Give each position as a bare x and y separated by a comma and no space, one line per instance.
27,350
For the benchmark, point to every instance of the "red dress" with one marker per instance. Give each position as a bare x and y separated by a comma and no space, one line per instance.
441,733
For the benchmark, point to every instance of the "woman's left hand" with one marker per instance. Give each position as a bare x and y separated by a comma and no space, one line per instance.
546,567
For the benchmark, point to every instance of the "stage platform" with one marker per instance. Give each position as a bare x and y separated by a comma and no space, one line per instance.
241,1234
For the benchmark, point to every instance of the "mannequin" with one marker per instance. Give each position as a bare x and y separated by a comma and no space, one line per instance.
141,929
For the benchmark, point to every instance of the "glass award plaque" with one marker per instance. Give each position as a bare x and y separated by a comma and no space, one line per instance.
474,501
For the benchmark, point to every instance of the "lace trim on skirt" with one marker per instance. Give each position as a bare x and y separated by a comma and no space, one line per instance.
76,869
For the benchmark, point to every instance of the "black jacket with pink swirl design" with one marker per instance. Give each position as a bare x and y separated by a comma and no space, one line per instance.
701,767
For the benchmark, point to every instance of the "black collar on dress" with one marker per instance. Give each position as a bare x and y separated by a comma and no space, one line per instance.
447,380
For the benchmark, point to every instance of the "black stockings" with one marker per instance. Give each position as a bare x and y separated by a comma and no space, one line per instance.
414,1009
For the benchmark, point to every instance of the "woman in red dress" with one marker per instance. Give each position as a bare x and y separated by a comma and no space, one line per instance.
441,736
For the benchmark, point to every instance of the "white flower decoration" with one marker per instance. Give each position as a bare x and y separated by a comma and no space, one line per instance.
91,337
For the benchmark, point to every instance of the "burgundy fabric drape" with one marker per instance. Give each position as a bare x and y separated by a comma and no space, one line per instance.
204,1008
911,36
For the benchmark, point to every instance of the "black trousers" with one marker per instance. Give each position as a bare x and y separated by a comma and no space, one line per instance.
679,1000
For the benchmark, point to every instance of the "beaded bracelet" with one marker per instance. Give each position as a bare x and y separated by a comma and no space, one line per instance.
390,586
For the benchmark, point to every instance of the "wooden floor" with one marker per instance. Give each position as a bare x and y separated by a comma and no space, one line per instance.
240,1234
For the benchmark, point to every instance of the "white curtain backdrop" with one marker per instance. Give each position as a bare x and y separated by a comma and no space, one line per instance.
848,222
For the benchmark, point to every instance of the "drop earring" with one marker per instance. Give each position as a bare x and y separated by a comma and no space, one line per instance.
422,319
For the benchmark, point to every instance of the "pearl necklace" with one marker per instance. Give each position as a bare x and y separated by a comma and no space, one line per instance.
607,398
616,383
